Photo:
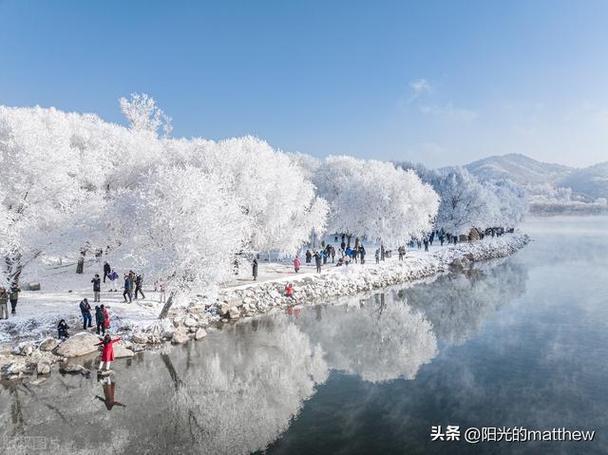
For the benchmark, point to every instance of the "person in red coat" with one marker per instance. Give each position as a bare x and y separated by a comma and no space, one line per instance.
106,317
289,291
296,264
107,354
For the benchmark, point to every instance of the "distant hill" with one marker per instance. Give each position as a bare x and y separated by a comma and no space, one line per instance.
590,182
518,168
552,188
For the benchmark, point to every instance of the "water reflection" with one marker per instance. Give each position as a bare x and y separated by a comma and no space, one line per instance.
242,388
109,391
378,339
457,304
235,393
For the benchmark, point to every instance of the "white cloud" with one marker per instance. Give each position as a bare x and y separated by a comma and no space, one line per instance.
419,87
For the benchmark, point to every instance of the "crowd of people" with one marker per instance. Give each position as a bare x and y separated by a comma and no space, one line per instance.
345,254
132,290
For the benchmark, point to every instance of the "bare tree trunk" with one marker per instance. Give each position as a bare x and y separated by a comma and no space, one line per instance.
167,306
177,382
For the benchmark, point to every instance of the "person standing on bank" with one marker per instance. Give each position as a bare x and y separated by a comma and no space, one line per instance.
85,309
254,268
14,297
139,282
96,288
106,317
318,261
3,303
106,270
100,328
128,289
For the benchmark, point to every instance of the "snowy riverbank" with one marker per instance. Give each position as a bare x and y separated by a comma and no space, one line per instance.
138,325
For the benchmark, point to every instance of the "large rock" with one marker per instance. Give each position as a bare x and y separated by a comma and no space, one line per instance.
80,344
16,367
121,351
26,348
48,344
43,368
180,337
74,368
223,309
190,322
140,338
200,333
234,313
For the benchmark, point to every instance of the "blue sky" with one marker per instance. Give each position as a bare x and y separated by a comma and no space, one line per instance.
441,82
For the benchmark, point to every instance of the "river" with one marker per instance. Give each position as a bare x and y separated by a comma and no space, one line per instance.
518,342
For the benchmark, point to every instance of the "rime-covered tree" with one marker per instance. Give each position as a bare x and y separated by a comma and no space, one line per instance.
47,176
179,224
373,199
270,188
466,202
509,203
143,114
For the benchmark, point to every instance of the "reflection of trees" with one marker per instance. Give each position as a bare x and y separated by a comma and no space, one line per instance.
457,304
234,393
378,339
242,396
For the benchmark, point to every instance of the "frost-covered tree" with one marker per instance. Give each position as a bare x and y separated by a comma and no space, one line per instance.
270,188
373,199
180,224
466,202
46,177
509,203
59,170
144,115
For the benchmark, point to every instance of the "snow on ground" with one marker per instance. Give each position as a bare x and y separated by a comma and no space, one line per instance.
62,289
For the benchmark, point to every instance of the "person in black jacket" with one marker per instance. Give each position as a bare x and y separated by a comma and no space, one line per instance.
139,282
106,270
99,321
96,288
128,289
318,261
85,309
13,296
62,330
254,270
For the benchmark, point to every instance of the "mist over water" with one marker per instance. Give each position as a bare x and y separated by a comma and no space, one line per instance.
516,342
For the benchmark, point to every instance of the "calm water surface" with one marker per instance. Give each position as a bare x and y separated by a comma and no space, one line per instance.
518,342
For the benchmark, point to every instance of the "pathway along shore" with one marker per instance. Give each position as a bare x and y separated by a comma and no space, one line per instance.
34,358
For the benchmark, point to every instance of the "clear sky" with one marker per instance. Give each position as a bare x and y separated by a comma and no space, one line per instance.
442,82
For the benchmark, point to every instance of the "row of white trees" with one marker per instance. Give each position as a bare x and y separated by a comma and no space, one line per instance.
468,203
181,209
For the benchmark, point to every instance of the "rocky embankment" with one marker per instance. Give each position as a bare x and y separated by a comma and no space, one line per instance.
35,358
